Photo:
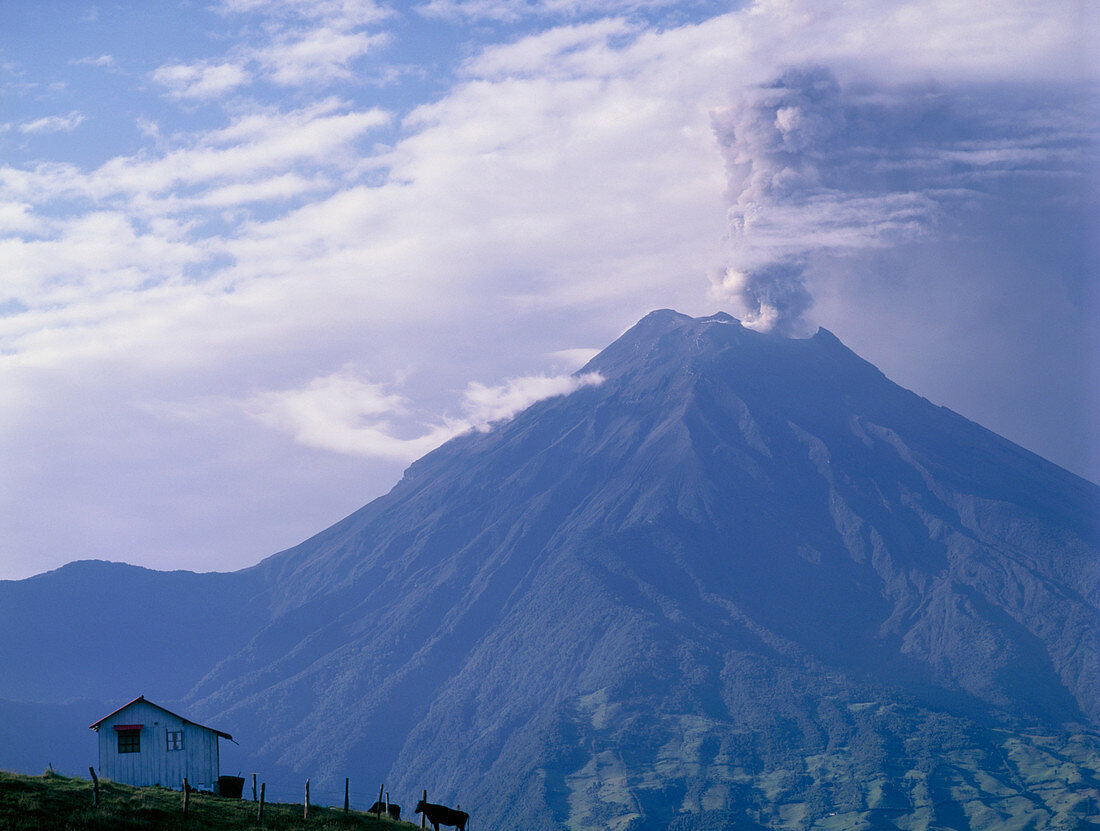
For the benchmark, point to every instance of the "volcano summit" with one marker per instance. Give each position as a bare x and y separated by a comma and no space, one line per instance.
746,581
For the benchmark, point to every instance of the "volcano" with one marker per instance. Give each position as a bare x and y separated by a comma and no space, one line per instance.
745,581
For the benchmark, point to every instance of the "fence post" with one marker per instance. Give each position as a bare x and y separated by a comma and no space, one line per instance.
305,811
95,787
387,803
423,816
186,797
260,811
254,798
347,803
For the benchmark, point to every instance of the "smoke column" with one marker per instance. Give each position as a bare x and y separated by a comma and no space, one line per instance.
813,168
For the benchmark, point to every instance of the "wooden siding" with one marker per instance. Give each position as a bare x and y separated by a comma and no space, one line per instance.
155,764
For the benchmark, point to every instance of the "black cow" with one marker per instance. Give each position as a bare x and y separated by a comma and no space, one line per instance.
439,815
381,808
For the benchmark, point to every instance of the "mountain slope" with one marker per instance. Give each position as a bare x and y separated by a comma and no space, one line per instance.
746,581
744,572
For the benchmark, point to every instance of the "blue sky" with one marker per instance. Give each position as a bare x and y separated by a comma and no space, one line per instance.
258,255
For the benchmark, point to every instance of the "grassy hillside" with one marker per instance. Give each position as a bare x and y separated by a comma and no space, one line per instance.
59,803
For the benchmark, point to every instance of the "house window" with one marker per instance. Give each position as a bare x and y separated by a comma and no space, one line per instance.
175,740
129,741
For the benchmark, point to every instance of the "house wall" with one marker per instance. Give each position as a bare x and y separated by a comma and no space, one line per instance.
155,764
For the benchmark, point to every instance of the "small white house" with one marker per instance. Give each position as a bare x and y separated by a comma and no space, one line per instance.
141,743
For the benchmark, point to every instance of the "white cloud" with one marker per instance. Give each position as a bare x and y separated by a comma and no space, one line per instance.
514,10
318,56
53,124
344,13
268,190
300,43
487,404
314,56
201,80
583,49
278,141
917,40
147,127
256,142
345,413
19,218
96,60
92,255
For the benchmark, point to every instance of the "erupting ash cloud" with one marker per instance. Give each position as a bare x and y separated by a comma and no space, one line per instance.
819,171
809,171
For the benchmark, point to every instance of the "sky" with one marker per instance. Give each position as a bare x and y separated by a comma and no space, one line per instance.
258,255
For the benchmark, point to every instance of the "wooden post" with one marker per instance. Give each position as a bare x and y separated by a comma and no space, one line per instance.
379,813
387,803
260,810
95,787
347,803
305,811
186,797
423,816
254,797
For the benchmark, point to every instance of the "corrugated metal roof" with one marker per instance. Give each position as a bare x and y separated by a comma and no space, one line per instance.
95,725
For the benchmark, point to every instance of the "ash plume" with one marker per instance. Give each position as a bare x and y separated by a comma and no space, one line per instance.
812,168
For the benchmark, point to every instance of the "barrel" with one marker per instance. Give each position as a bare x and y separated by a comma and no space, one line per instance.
230,786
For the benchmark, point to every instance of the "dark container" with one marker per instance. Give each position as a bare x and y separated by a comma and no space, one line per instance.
230,786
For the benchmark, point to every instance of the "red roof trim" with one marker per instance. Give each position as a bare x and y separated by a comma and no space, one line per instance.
95,725
127,727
